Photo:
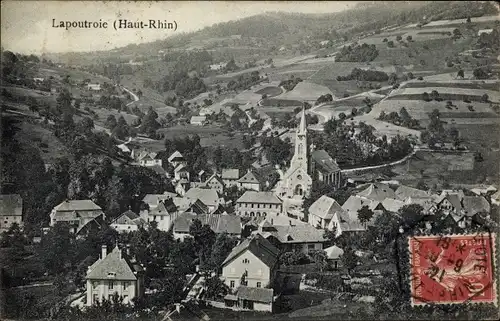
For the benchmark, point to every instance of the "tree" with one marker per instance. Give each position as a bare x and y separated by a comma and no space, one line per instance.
293,258
434,95
110,122
319,257
390,44
410,75
425,96
221,249
485,98
204,239
409,38
349,259
480,73
365,214
57,249
460,73
215,288
399,38
456,33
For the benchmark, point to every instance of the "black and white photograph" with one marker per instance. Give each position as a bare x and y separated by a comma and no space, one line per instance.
249,160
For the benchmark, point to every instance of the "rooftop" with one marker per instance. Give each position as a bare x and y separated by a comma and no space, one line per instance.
294,234
208,196
403,192
249,177
115,266
324,162
325,207
252,294
258,246
377,192
259,197
77,205
219,223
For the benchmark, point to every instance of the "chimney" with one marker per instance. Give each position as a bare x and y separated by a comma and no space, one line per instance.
104,250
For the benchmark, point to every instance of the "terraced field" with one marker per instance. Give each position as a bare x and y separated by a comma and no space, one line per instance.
446,93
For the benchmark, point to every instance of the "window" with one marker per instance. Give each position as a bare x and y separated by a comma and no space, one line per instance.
126,285
111,274
95,298
310,246
111,284
246,261
231,284
251,205
259,284
95,284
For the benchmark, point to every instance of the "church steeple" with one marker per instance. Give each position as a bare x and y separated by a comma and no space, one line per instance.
302,126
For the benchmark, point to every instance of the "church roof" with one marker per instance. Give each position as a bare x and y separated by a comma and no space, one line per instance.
324,162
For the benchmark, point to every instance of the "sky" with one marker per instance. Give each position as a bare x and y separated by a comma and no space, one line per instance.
27,25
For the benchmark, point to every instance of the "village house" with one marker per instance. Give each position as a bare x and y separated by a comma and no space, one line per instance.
333,255
78,213
153,200
114,273
230,176
301,238
216,183
181,172
198,120
249,181
253,263
128,221
219,223
377,192
182,186
249,298
11,211
322,211
209,197
253,203
148,159
460,207
176,158
403,192
164,214
348,221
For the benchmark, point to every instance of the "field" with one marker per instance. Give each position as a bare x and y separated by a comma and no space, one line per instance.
485,85
385,128
305,91
420,109
210,136
446,93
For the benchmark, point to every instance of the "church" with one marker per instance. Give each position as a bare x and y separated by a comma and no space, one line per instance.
308,168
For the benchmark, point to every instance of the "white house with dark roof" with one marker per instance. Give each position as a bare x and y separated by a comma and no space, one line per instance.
11,211
303,238
215,182
249,181
252,263
164,214
253,203
114,273
176,158
230,176
322,211
128,221
77,213
181,172
148,159
461,207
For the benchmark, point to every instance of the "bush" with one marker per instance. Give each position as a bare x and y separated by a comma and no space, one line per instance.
420,78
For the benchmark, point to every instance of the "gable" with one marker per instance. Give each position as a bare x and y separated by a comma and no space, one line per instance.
237,262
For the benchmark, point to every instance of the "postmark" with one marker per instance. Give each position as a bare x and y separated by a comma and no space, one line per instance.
452,269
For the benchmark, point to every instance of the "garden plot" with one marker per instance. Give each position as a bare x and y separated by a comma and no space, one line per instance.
384,128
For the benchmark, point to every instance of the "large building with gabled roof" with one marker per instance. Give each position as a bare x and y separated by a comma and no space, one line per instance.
307,169
252,263
77,213
114,273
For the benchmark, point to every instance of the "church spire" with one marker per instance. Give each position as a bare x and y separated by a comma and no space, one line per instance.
303,126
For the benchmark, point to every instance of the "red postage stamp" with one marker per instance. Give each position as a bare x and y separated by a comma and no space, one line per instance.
452,269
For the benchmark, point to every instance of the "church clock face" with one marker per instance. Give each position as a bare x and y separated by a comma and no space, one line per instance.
299,177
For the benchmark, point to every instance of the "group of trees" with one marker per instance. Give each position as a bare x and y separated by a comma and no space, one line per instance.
276,150
324,99
362,53
289,84
401,119
244,81
365,75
